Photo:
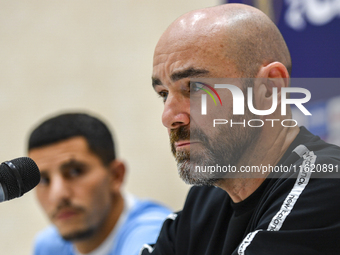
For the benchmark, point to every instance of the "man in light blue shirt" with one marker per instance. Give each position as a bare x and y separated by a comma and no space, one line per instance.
80,191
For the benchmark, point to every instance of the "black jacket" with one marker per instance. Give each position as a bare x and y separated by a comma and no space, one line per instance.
290,213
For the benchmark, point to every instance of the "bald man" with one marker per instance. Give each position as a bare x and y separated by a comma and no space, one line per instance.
275,212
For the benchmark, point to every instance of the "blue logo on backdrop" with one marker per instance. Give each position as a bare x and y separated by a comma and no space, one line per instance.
311,29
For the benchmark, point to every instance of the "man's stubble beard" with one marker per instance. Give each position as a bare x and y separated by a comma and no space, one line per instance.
80,235
85,233
227,147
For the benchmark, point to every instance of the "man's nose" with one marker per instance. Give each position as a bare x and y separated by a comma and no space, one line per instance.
176,111
60,189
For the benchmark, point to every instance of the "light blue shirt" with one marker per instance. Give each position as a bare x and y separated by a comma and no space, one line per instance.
142,224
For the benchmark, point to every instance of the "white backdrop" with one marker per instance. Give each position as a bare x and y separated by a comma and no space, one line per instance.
85,55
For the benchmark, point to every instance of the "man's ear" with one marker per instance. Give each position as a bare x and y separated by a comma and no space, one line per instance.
117,172
276,75
273,75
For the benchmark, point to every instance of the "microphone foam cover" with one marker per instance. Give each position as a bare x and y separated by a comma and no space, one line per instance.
28,178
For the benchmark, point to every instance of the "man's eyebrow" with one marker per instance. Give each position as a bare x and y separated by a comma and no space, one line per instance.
43,172
64,166
155,82
187,73
71,163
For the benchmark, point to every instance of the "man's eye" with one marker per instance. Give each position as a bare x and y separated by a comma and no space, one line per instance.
196,86
74,172
163,95
44,180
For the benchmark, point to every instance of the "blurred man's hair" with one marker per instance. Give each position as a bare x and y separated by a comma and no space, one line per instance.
69,125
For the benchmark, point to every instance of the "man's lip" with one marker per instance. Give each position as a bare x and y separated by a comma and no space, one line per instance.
184,143
65,214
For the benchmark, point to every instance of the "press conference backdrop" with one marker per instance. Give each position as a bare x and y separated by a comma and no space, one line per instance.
85,55
311,29
97,56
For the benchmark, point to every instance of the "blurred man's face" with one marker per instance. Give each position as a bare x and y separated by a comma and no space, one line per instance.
75,188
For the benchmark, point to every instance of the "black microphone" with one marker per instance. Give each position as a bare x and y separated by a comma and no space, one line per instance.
17,177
